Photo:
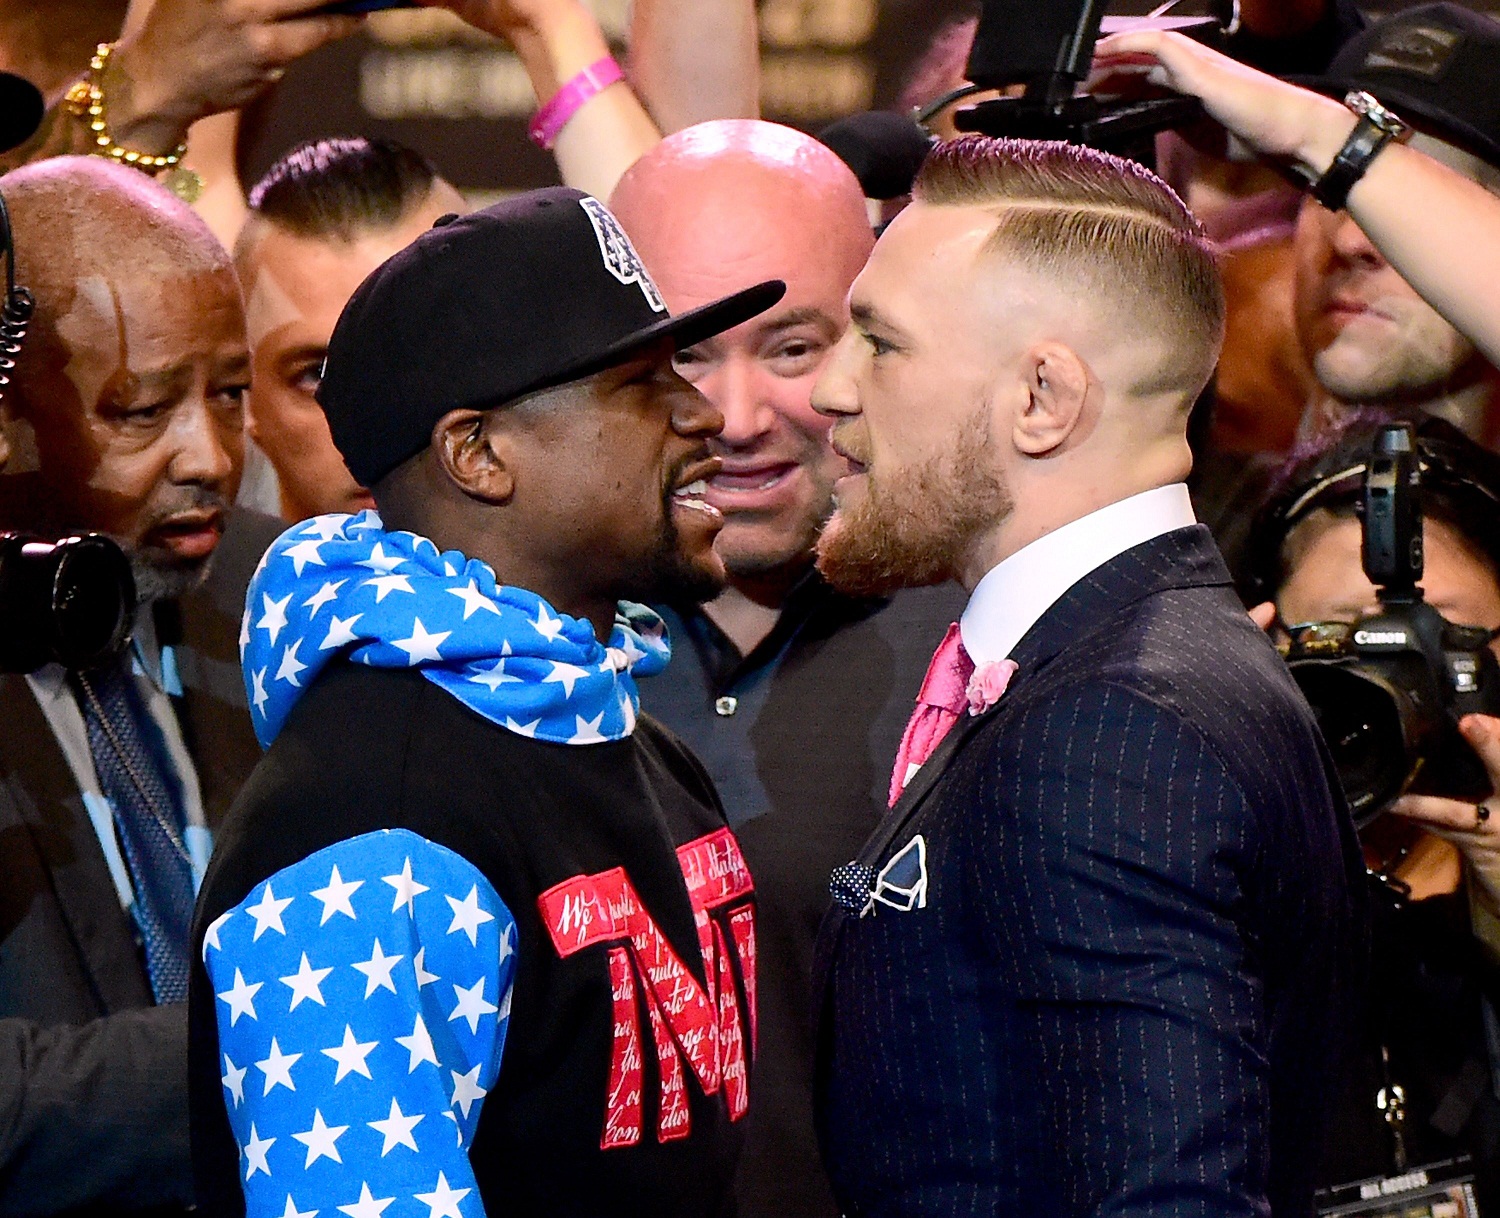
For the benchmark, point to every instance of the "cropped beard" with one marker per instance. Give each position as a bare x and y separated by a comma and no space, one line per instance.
915,530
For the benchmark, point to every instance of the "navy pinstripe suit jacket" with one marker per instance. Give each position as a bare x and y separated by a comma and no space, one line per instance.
1141,930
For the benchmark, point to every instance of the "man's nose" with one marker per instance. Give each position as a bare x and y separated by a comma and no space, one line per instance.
732,388
694,416
834,395
202,454
1350,243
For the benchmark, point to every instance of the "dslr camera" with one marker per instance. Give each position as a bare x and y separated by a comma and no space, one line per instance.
68,602
1388,690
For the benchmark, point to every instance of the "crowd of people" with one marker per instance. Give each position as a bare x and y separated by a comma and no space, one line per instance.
741,696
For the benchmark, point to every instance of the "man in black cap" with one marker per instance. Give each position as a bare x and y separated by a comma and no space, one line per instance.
1371,339
467,884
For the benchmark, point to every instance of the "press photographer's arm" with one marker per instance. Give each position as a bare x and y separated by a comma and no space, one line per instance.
182,61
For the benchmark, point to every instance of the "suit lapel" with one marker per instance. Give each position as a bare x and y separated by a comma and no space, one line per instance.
51,809
1183,558
922,783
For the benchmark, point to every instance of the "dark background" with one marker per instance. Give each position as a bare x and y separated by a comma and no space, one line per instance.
421,77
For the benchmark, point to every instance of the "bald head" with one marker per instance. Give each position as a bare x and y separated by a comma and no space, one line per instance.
125,414
711,206
71,213
716,208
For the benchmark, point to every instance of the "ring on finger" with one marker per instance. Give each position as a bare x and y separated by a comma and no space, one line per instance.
1481,813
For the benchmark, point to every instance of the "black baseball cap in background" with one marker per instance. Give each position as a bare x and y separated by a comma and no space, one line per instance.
1437,65
532,292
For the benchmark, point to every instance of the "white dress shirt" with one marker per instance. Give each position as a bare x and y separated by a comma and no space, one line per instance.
1013,596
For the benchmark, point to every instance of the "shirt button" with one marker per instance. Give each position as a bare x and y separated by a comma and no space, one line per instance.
726,706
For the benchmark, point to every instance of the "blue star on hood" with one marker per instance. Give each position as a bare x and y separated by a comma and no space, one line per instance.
342,585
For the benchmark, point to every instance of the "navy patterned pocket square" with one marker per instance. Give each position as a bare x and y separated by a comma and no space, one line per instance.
900,885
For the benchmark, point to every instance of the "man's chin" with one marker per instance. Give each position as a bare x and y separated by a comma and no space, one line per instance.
161,577
863,558
680,577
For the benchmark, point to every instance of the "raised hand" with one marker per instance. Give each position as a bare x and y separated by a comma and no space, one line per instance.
182,60
1273,118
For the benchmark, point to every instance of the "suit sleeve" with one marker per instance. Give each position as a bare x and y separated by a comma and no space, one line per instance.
94,1113
1110,859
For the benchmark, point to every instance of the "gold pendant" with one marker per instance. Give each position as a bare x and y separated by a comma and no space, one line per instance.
184,183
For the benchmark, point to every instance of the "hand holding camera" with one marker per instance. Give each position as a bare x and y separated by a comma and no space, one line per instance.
1391,689
1275,119
1469,826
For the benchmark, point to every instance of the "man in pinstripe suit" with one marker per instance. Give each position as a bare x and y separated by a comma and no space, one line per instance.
1096,958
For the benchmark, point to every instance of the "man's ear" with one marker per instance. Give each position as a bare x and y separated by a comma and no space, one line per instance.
1058,387
476,454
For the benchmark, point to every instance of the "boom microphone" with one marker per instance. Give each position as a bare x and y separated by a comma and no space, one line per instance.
884,149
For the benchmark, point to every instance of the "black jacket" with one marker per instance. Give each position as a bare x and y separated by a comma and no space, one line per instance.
93,1077
1140,927
371,749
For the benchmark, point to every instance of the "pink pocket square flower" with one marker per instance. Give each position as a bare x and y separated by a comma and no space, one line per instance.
988,683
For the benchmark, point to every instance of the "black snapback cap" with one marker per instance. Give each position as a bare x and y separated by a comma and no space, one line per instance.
482,309
1437,65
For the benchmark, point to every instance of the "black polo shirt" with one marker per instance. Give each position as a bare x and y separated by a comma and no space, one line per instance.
799,737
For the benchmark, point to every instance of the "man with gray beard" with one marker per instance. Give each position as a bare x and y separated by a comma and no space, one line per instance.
124,417
1371,339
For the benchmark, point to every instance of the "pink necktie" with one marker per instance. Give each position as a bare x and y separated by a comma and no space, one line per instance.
942,699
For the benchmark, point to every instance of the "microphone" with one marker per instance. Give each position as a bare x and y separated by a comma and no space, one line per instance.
884,149
21,110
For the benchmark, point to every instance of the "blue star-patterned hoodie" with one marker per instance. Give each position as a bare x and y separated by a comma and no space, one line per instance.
343,584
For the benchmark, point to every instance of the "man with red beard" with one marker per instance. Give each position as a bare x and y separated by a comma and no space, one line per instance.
1093,958
123,417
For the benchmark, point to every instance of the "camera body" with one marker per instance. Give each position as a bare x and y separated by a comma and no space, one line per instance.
1389,689
69,602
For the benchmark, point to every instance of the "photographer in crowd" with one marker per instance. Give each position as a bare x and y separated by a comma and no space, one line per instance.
1431,990
124,416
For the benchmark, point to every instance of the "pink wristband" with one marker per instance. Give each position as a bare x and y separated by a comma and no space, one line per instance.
567,101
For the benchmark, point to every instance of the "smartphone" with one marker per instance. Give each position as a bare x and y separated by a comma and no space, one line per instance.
364,6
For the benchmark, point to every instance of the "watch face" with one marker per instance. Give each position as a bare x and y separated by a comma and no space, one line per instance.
1368,106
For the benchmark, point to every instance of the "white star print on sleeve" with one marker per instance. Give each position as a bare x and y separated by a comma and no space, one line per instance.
362,1004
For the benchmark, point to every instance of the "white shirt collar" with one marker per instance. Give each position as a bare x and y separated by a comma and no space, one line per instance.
1013,596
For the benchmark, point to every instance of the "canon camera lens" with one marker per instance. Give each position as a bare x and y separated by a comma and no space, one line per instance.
69,602
1372,728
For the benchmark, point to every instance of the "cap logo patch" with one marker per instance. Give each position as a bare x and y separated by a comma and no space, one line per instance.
620,258
1417,50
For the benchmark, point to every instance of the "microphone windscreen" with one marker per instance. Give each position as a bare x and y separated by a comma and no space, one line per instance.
21,110
884,149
